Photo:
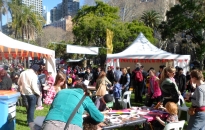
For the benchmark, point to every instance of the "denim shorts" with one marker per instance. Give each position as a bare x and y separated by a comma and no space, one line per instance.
197,121
58,125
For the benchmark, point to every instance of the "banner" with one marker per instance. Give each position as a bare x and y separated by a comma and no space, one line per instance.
82,50
109,41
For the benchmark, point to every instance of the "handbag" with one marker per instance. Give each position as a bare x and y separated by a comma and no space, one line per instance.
74,112
101,90
191,111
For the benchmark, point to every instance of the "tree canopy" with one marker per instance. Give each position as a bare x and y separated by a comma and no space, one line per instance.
91,22
188,19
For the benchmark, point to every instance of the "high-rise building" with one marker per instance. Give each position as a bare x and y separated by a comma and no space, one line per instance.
70,7
53,14
66,8
46,16
37,4
56,13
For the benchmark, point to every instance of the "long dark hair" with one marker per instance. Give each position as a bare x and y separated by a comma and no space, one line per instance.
81,85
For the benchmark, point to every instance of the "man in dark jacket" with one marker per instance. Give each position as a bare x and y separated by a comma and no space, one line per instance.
181,81
110,74
89,76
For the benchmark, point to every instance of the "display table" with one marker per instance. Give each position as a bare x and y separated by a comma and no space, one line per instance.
131,117
152,115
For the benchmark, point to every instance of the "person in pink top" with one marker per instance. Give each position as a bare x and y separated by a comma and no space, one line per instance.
154,90
50,79
54,89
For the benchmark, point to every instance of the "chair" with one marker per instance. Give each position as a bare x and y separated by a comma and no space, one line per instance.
125,99
182,107
175,125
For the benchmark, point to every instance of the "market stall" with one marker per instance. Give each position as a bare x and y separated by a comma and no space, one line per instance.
141,50
11,48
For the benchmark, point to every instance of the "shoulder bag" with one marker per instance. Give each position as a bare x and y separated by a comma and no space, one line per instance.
74,112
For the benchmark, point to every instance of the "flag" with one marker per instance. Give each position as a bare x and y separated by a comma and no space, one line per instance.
109,41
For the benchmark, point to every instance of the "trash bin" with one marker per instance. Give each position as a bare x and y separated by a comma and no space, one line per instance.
8,101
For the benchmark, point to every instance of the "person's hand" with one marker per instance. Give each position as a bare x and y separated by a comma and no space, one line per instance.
157,117
187,96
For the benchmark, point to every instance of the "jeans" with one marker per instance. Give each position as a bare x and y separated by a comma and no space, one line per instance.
116,104
31,107
25,102
197,121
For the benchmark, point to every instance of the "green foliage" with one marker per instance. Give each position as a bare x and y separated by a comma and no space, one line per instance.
25,22
60,49
187,18
91,23
151,19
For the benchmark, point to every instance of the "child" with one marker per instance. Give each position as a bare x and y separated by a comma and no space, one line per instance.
172,109
116,93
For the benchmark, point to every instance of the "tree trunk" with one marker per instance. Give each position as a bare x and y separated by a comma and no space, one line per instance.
22,33
202,64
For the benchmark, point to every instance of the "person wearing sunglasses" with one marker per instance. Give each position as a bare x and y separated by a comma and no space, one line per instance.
170,92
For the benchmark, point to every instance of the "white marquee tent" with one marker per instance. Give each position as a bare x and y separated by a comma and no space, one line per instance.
141,50
13,48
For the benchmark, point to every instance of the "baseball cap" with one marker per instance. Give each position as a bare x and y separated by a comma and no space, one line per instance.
138,65
35,67
108,99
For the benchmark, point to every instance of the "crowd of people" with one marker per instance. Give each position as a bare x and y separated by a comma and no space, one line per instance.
37,86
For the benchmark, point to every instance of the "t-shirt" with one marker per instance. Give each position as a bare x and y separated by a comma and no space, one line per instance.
172,118
100,104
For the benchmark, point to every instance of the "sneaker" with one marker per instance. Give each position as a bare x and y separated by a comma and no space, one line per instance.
39,108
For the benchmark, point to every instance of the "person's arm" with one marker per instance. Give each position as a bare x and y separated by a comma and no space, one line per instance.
198,101
184,83
106,80
9,83
128,80
34,86
160,121
92,110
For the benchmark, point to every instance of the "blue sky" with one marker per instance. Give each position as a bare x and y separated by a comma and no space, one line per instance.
49,5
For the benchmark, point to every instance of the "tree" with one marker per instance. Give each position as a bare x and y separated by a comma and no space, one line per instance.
187,18
25,22
91,22
128,9
90,26
151,19
53,35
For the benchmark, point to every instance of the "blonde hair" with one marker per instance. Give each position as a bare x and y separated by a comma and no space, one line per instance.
167,70
171,108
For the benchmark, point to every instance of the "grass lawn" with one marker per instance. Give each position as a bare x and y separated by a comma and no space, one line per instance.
22,125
